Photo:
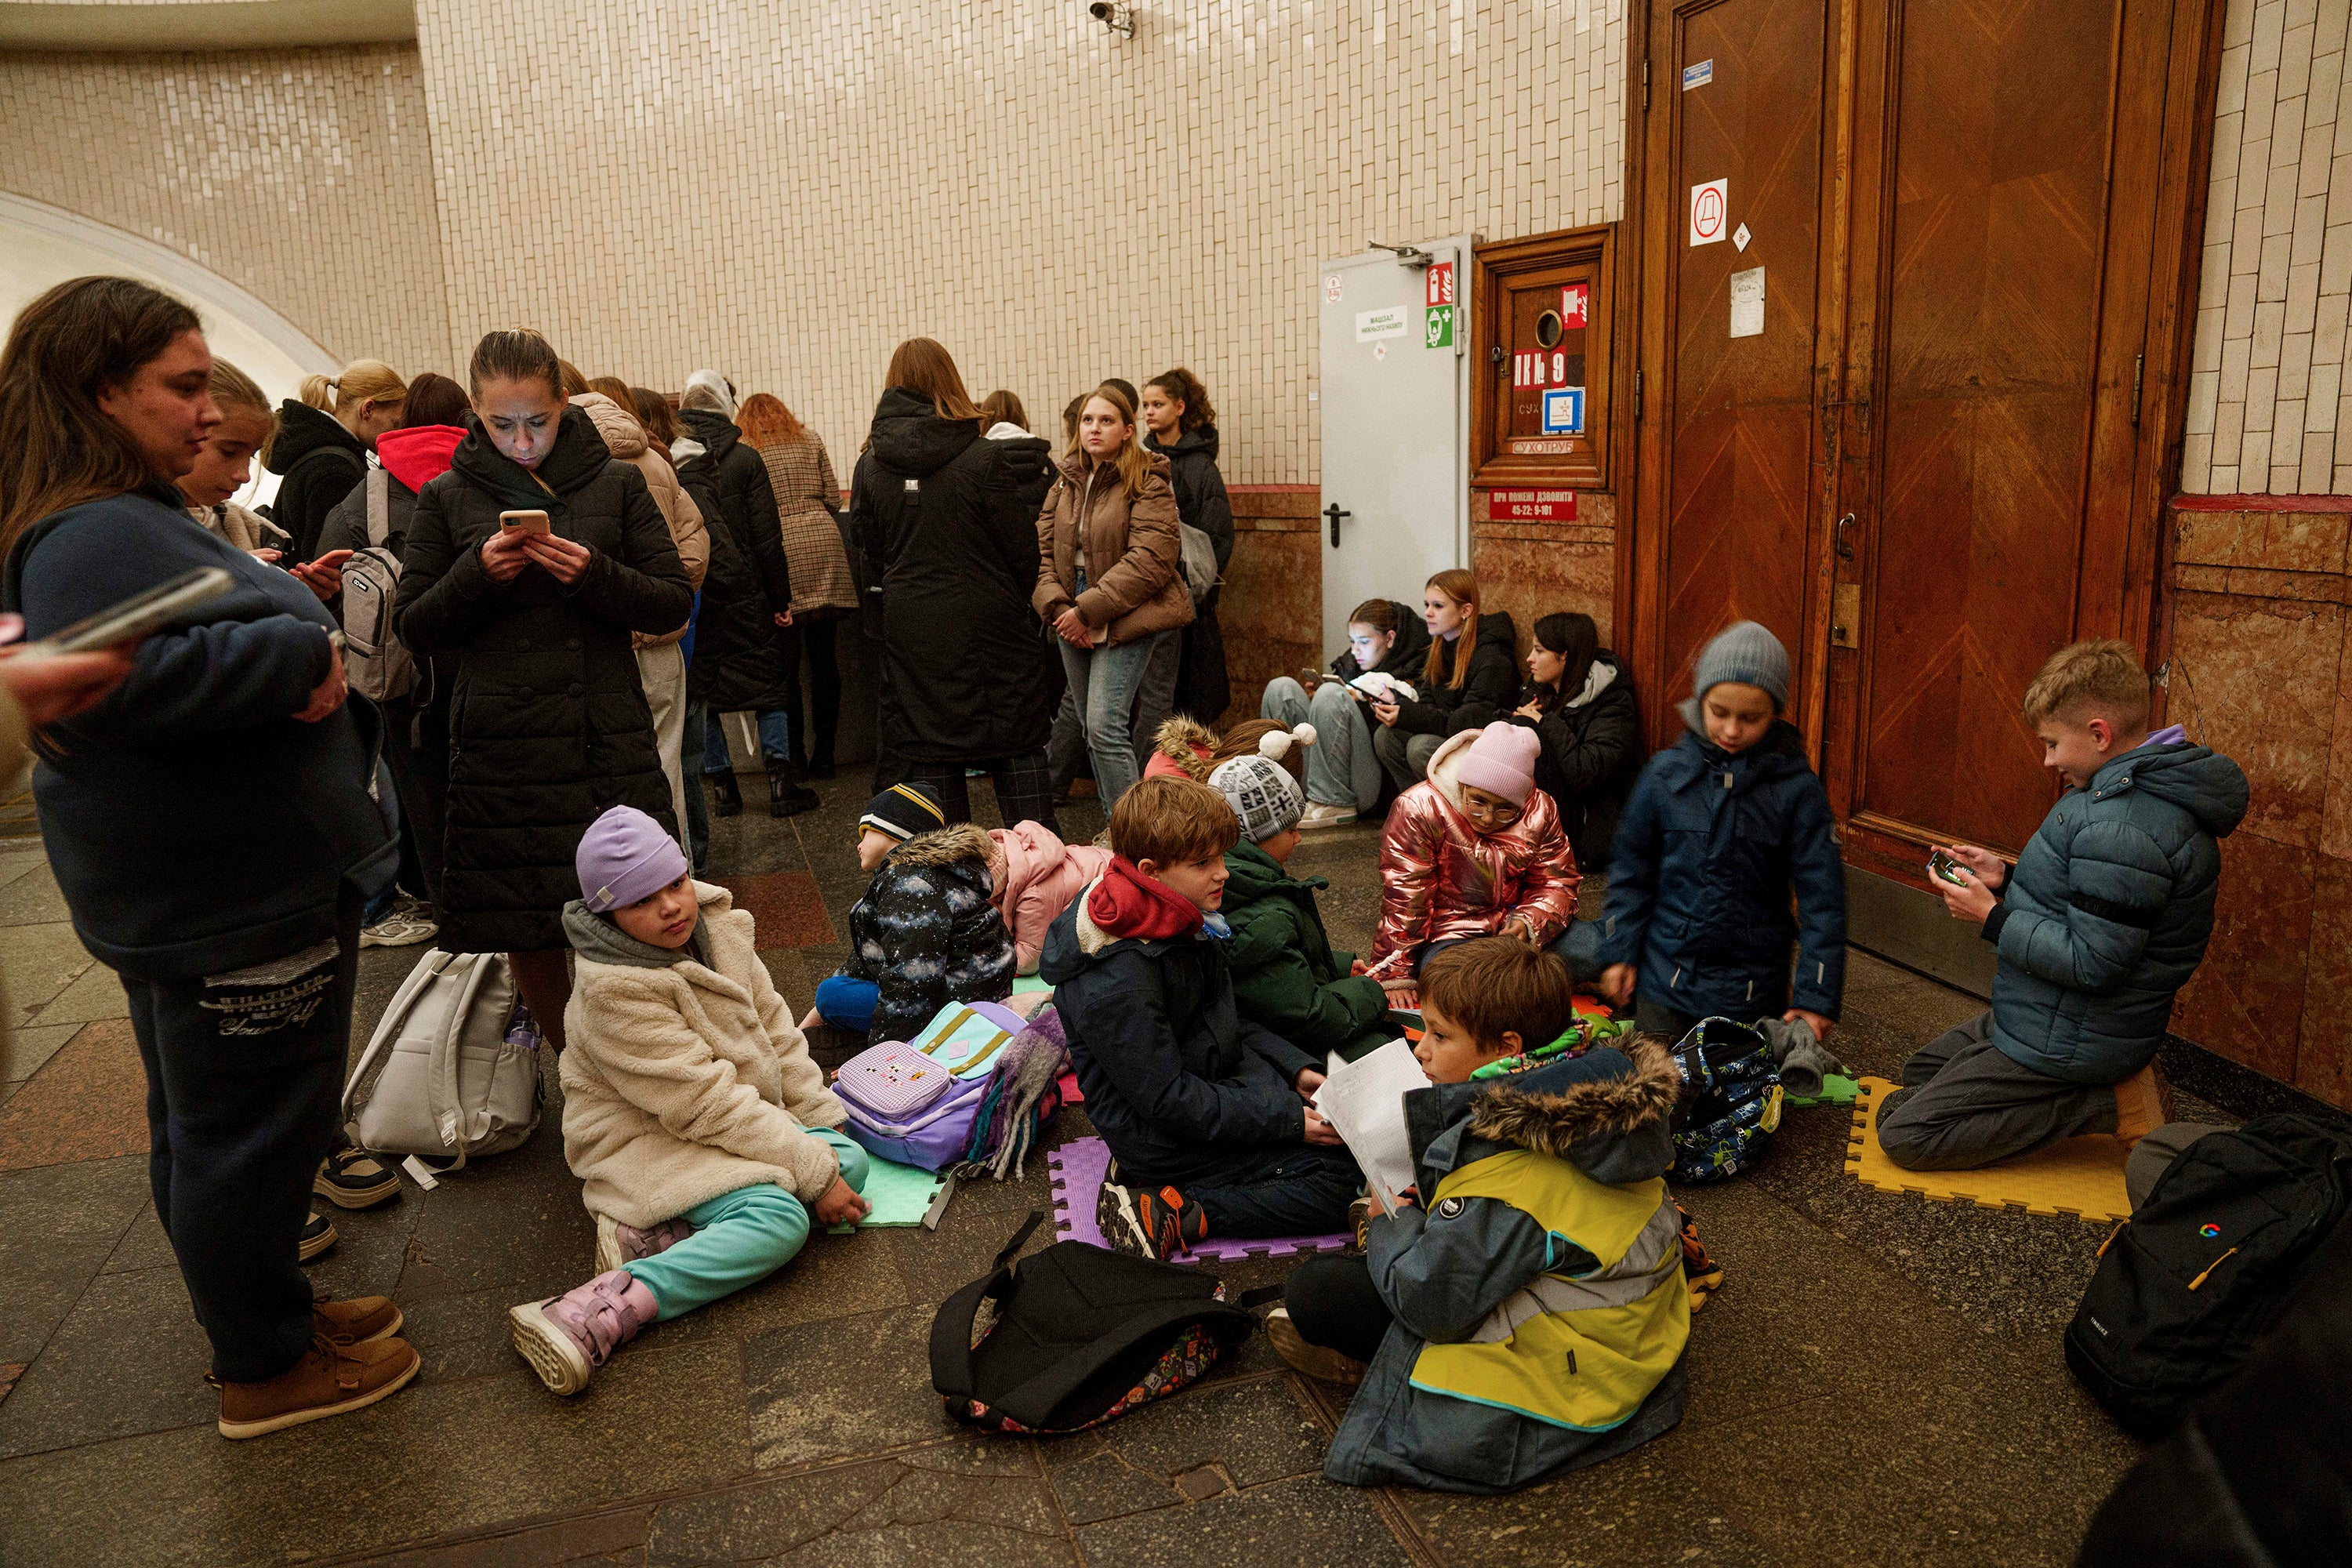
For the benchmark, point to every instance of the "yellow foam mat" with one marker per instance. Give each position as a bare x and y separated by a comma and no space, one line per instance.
2079,1176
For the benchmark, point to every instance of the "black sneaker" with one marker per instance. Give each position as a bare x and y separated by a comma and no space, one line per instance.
786,799
726,793
352,1178
1154,1222
317,1237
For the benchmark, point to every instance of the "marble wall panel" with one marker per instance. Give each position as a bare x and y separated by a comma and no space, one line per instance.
2246,1001
2323,1063
2257,678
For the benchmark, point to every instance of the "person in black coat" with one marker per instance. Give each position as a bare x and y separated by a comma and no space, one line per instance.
1579,703
549,726
747,656
1470,680
942,524
1181,426
322,444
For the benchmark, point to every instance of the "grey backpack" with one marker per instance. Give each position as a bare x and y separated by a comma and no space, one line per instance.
451,1072
375,661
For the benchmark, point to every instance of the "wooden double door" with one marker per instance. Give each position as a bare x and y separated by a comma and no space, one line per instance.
1939,450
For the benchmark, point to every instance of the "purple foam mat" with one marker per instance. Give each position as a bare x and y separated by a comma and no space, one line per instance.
1079,1168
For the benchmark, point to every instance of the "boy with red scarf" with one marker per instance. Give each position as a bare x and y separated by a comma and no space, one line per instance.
1205,1112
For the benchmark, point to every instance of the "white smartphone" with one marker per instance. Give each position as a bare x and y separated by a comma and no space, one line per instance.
525,521
140,615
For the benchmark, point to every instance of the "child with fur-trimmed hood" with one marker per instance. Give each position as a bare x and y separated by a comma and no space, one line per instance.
1525,1311
926,934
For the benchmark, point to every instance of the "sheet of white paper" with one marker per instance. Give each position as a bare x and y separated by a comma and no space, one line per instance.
1364,1102
1748,304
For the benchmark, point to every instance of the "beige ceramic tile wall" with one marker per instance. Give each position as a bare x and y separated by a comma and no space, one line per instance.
784,190
302,175
2267,393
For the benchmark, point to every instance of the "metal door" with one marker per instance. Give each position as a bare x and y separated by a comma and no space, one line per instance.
1395,424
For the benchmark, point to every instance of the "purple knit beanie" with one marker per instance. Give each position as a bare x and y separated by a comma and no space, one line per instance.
1501,761
625,855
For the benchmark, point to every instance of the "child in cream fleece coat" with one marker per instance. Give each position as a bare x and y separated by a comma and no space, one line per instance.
703,1134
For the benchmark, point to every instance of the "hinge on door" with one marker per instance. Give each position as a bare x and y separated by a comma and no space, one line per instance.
1637,396
2139,372
1646,87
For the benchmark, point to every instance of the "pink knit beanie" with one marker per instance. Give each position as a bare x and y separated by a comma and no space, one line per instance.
1501,761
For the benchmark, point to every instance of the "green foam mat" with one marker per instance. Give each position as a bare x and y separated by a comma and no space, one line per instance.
1836,1090
901,1194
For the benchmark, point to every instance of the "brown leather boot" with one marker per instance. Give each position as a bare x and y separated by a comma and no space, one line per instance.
330,1379
360,1320
2143,1104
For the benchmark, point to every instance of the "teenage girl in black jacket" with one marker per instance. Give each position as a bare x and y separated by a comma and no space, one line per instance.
1471,680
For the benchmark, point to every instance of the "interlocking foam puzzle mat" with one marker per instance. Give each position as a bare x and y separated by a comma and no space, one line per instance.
901,1194
1079,1168
2082,1177
1836,1090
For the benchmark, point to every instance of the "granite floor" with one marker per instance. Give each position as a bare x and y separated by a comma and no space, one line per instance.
1879,1382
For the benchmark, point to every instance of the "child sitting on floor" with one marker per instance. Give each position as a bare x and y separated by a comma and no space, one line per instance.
1034,876
2104,919
1184,748
925,933
1474,850
1528,1315
1205,1112
1285,975
702,1132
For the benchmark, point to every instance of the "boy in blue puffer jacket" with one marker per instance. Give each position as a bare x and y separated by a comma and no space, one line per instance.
2105,918
1722,826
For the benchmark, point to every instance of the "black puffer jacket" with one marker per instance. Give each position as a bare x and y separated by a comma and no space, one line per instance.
1592,754
1489,692
956,559
1203,688
318,462
742,660
1404,658
548,722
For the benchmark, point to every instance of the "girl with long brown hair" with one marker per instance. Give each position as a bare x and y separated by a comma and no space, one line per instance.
234,932
799,472
1470,678
1110,581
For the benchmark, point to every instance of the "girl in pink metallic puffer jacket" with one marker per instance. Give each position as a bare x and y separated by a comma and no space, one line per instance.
1474,850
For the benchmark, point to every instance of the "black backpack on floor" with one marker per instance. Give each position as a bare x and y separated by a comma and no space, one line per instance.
2185,1286
1079,1335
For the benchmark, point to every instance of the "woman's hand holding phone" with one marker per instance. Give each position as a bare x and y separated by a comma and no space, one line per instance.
1386,712
54,686
504,555
564,559
324,576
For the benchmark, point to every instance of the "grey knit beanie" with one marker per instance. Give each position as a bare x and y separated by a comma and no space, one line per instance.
1747,653
1265,799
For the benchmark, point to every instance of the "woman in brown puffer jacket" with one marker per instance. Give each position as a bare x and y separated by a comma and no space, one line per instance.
1110,580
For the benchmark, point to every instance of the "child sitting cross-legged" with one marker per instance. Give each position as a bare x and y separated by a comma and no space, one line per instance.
702,1132
1205,1112
1525,1311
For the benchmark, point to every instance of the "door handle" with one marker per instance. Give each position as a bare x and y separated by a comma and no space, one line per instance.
1335,512
1844,546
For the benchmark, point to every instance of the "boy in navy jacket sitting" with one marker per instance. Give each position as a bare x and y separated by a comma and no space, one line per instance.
1205,1112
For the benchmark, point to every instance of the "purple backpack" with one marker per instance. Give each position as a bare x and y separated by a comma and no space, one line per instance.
902,1109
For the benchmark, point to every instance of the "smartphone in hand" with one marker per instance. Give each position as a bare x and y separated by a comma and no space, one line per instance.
1942,865
141,614
525,522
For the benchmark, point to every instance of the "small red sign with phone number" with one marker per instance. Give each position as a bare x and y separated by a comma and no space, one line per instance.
1531,506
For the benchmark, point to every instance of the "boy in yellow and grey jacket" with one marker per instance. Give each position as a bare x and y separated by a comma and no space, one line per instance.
1528,1313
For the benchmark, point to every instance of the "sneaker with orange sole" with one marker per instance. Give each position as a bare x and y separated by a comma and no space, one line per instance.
331,1379
1148,1222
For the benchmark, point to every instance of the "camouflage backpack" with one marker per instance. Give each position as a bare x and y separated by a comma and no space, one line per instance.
1731,1102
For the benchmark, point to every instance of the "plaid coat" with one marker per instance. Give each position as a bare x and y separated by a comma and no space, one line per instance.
800,473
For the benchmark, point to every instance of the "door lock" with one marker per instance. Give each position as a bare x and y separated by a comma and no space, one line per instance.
1844,545
1335,512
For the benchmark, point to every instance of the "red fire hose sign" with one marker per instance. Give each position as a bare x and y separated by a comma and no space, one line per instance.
1709,204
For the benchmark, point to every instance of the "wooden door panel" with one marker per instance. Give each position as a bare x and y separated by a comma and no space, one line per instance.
1738,506
2001,140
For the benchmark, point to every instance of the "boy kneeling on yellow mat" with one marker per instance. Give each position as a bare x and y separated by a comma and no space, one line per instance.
1529,1314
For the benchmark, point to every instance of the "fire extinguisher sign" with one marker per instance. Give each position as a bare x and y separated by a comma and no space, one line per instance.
1437,300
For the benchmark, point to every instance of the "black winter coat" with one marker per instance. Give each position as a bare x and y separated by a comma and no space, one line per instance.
743,661
1490,692
548,722
318,462
925,933
1202,687
1592,754
944,523
1404,658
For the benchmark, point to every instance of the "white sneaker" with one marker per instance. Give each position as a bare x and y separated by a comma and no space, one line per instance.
399,929
1319,815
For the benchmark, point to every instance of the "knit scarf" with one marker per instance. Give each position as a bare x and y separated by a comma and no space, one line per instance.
1126,903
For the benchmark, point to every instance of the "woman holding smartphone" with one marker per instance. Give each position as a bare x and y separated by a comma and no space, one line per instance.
1107,578
548,721
235,935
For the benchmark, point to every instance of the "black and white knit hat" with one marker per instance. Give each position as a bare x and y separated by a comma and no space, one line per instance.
904,810
1264,795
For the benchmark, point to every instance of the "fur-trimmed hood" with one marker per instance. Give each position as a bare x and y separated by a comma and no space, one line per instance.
1607,1111
959,841
1187,745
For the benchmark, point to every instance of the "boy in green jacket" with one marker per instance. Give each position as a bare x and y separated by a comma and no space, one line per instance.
1286,977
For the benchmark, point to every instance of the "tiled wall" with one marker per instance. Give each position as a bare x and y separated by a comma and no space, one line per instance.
2268,394
302,175
2262,669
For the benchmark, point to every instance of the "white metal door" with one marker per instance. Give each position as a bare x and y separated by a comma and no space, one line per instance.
1395,424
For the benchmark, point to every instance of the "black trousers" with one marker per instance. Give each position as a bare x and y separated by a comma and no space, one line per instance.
420,777
1300,1190
1332,1303
245,1076
824,714
1024,786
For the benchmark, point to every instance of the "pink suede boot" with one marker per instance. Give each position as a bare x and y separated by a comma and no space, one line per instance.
617,1244
568,1337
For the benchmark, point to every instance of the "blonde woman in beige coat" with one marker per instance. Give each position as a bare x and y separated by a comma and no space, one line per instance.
1110,580
703,1135
661,663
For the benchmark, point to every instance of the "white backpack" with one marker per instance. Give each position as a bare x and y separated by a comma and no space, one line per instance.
440,1078
375,661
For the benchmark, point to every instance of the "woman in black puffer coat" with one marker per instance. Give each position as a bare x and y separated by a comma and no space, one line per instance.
747,656
548,721
1579,703
1182,427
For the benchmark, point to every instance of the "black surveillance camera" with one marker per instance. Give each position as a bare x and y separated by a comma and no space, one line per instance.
1099,10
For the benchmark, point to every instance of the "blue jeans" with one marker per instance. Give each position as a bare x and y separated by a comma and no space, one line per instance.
847,1004
775,741
1341,767
1104,685
740,1238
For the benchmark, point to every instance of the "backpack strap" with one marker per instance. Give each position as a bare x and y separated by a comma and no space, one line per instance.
379,506
951,1329
449,1117
361,1087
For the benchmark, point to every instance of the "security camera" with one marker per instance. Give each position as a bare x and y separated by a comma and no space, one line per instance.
1112,13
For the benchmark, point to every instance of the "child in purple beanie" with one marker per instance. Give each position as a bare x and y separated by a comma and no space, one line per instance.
703,1133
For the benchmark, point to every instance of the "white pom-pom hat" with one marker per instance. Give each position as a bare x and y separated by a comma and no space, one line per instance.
1276,743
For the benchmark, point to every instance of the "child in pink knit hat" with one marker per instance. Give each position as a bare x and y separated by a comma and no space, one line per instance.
1474,850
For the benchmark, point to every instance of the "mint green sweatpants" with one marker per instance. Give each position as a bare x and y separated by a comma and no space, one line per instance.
740,1238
